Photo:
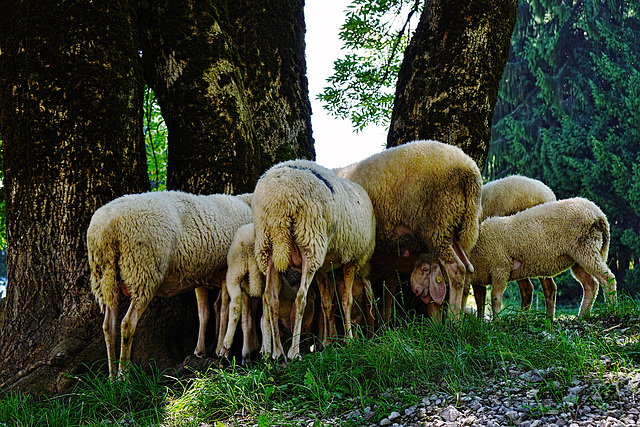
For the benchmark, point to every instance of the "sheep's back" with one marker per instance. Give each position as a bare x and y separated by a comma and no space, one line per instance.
431,187
208,225
152,236
291,200
513,194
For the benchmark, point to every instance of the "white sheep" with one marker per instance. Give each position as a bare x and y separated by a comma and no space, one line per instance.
506,196
544,240
426,199
305,216
159,243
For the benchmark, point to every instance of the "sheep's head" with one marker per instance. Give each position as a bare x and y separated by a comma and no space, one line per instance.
429,281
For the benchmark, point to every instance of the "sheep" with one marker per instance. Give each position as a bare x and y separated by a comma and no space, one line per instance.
506,196
426,199
159,243
245,281
544,240
305,216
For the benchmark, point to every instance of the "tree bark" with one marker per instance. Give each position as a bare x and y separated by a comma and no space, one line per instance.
231,81
71,125
449,79
270,39
191,64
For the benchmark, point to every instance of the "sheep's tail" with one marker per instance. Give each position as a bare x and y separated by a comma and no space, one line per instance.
469,225
102,252
602,225
282,243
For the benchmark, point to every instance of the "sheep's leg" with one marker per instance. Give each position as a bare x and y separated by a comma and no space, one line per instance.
480,295
526,293
549,289
326,299
434,311
498,285
390,284
609,285
460,270
300,305
216,311
248,331
589,289
235,306
456,273
602,274
128,329
109,328
265,324
202,297
272,294
347,298
224,316
370,301
465,296
252,304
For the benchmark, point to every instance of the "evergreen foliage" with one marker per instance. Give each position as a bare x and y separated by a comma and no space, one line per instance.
569,112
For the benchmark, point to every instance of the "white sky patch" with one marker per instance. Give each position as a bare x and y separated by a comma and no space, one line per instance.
336,142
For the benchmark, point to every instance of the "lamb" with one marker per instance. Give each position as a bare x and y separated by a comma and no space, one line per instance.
506,196
305,216
426,199
544,240
159,243
245,281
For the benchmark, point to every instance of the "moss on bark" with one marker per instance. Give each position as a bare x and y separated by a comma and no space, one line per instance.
449,79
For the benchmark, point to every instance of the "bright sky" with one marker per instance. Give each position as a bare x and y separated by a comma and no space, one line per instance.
336,142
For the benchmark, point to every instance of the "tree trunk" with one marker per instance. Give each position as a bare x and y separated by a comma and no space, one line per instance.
192,65
71,124
450,76
231,82
270,39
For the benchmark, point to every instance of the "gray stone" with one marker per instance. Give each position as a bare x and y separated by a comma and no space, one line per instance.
450,414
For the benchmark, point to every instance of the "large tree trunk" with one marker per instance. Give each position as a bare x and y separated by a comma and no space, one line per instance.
193,67
71,124
449,79
270,39
231,82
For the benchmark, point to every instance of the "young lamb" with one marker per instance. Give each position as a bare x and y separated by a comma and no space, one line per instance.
245,281
544,240
506,196
159,243
426,199
305,216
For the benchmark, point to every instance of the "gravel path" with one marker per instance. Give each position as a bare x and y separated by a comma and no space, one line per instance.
519,401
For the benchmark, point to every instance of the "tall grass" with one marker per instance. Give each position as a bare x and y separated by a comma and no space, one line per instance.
392,370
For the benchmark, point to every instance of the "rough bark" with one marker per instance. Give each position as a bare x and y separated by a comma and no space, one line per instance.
270,39
70,120
449,79
192,65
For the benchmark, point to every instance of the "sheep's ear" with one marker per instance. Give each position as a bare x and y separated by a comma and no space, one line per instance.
437,284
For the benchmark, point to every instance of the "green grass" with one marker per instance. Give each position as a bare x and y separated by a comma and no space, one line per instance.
391,370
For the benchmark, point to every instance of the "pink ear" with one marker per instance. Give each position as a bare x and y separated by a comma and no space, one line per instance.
437,286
